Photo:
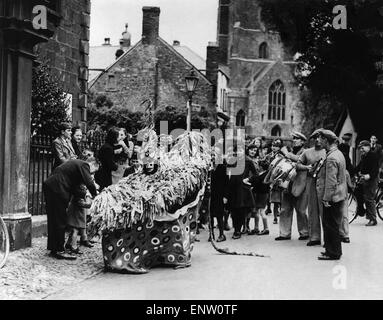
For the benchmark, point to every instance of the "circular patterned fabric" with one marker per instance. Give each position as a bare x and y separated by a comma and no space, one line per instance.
146,245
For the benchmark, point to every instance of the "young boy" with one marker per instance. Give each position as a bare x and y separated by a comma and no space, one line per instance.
77,213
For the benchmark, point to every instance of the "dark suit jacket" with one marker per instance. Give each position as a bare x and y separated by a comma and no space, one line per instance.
66,178
218,185
104,174
369,164
237,193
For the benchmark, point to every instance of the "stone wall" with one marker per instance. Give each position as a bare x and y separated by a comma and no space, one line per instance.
152,71
259,102
67,53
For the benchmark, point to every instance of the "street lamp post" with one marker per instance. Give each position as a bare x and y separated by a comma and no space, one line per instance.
191,84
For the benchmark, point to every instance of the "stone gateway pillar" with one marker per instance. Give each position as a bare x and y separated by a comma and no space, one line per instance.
17,39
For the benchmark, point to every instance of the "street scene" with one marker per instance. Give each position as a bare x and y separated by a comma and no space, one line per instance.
191,150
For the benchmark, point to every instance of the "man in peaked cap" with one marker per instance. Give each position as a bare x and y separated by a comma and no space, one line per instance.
294,197
307,165
331,187
368,172
299,135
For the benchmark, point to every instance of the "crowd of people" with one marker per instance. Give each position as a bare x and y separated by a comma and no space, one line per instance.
318,191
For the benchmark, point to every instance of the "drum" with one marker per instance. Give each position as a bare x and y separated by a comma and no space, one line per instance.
283,172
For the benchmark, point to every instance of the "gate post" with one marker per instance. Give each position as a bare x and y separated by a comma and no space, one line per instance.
17,39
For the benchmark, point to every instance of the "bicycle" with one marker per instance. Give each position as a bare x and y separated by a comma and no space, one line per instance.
4,243
378,200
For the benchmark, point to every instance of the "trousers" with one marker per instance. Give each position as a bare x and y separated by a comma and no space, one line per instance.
289,203
365,196
332,217
314,210
56,210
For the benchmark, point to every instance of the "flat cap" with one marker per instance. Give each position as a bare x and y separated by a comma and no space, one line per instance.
299,135
316,133
364,143
328,134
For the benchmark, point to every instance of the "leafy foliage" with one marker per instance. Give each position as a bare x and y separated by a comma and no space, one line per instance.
336,67
176,118
102,112
49,106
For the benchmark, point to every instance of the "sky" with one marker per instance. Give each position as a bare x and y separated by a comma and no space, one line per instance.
192,22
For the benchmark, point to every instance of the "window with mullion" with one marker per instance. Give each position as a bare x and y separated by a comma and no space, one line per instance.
277,101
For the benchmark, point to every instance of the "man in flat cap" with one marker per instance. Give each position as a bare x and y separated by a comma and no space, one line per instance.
62,148
294,197
368,173
308,164
331,187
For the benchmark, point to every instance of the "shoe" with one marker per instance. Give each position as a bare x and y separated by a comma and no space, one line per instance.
74,250
303,238
62,255
236,235
221,238
263,232
268,211
371,223
86,243
345,240
275,221
313,243
326,257
282,238
324,253
253,232
227,227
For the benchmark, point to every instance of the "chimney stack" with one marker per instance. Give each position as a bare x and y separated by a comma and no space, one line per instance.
107,42
150,24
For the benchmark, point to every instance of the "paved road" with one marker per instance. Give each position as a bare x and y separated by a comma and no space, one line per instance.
292,272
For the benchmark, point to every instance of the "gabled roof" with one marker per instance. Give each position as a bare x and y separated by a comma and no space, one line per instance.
260,73
191,56
100,57
91,83
131,49
183,58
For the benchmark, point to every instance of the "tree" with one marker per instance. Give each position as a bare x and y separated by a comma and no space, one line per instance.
102,112
336,67
49,106
176,118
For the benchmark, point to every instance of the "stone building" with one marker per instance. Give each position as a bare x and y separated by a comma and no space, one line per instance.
67,53
261,95
153,69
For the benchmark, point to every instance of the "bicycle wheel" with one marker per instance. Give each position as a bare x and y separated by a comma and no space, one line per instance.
4,243
379,205
351,208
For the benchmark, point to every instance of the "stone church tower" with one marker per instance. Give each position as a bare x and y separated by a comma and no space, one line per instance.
262,94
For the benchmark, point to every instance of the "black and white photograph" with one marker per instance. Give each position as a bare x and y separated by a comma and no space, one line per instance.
191,150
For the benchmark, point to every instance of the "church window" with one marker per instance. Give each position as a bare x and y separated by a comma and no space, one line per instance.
240,119
277,101
276,131
263,51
